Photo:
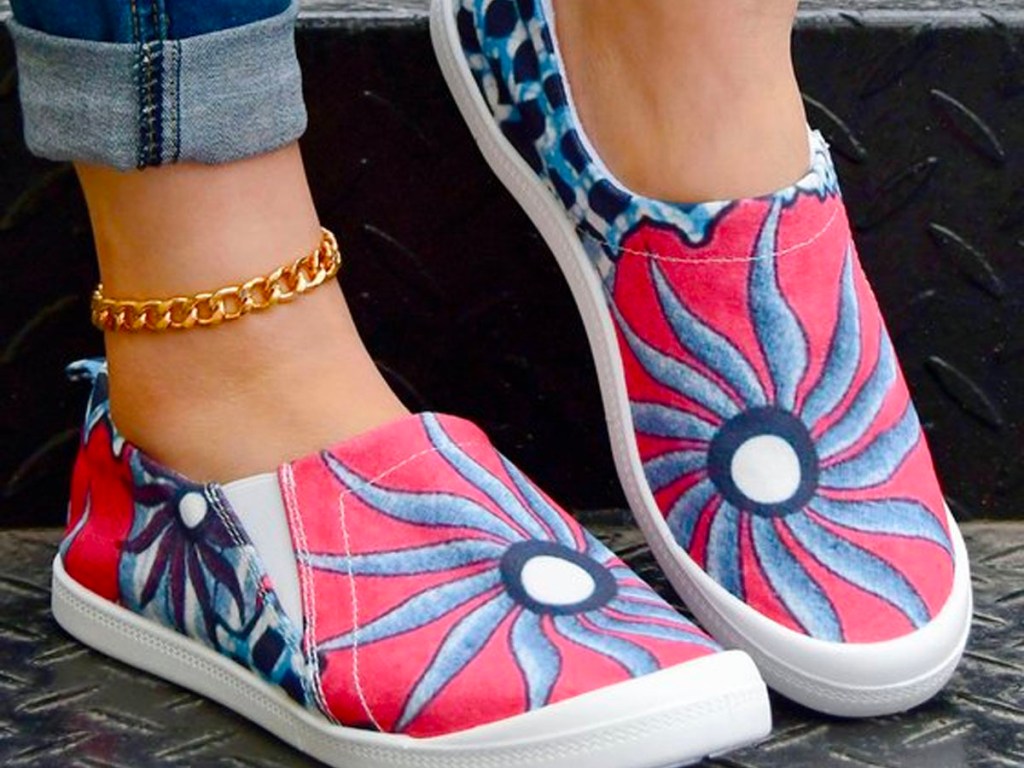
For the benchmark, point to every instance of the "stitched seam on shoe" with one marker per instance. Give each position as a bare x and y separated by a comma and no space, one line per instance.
309,594
414,457
717,259
287,480
360,693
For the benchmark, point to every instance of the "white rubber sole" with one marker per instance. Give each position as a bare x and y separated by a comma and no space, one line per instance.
673,717
842,679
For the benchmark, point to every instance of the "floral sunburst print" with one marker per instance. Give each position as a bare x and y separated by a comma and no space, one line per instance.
494,590
782,446
186,564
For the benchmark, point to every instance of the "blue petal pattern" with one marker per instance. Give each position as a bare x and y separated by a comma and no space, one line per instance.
537,658
714,351
663,470
418,611
844,353
459,648
649,629
859,567
661,421
865,406
723,544
800,594
635,659
648,610
779,333
481,477
539,505
444,510
892,517
880,459
685,513
677,375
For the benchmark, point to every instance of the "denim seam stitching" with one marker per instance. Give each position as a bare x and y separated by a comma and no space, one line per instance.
159,32
137,68
177,101
152,55
171,92
172,73
147,56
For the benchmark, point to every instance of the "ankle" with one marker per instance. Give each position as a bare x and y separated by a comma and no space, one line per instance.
187,228
688,101
239,399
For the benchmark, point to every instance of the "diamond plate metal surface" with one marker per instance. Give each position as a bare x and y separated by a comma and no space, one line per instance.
63,706
465,310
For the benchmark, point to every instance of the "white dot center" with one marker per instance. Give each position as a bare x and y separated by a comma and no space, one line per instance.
554,581
192,508
766,469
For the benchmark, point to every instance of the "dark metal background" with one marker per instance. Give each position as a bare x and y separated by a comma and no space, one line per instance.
62,706
466,311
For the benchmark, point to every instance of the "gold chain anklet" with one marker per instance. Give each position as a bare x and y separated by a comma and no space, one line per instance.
230,303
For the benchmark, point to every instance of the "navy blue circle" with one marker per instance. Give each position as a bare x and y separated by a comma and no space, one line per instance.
516,557
754,423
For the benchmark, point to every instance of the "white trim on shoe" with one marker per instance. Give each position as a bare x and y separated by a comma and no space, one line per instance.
672,717
259,506
842,679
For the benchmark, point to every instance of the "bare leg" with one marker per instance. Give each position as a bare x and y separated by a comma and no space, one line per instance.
238,399
688,100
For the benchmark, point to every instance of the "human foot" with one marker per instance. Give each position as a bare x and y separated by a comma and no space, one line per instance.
230,401
761,427
419,600
687,100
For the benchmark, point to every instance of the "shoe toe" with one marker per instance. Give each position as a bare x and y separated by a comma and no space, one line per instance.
458,593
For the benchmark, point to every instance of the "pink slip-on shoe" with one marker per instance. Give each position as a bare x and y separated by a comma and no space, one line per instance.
406,598
762,429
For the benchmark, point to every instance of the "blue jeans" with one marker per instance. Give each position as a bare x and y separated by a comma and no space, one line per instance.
136,83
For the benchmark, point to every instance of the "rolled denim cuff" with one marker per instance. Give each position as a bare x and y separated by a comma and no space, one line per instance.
212,98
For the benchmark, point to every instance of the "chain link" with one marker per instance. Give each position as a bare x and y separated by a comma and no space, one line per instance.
213,308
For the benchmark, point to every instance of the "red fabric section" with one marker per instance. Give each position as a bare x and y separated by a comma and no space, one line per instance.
101,482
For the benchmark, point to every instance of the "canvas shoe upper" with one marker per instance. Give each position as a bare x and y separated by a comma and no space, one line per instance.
761,424
411,583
